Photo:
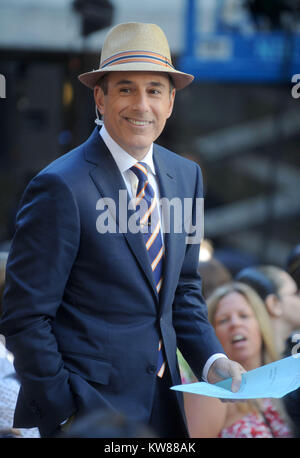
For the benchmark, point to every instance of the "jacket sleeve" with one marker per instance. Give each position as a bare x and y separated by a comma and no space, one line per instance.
42,253
196,337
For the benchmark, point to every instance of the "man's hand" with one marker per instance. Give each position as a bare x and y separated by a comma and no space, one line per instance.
224,368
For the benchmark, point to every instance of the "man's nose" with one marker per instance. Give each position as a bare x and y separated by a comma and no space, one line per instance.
141,102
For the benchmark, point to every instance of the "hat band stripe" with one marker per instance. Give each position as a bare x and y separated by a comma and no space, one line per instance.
136,58
134,53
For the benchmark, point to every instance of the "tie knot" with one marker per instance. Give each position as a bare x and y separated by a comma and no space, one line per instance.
140,170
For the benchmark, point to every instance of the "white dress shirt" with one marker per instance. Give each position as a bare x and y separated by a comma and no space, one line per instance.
124,162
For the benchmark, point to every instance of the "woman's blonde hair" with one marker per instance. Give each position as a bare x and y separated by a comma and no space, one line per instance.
268,353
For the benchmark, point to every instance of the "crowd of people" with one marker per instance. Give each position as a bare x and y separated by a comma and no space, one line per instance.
256,315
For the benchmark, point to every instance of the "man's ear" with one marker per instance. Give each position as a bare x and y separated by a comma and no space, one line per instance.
99,99
273,305
172,99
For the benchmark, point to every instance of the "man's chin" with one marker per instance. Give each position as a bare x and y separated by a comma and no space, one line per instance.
138,150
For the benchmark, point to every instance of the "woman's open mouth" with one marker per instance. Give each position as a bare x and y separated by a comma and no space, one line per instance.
237,339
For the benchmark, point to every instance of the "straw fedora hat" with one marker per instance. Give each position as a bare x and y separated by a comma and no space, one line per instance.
136,46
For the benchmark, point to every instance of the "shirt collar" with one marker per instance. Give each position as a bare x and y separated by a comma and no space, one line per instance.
123,159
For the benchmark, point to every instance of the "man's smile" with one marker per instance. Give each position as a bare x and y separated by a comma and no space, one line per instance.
139,122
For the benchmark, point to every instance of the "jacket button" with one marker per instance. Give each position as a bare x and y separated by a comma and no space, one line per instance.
151,369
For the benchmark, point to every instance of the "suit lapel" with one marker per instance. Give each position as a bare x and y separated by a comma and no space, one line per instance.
109,181
169,189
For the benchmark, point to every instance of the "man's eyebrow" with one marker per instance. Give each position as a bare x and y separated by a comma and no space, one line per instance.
157,84
151,83
121,82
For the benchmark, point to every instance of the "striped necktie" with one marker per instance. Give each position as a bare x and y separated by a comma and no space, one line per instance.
149,216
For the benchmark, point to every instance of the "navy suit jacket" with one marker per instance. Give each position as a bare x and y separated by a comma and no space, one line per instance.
81,313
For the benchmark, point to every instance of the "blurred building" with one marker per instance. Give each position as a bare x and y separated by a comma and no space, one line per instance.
243,131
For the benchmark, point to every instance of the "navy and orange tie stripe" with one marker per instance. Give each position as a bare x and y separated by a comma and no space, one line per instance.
149,217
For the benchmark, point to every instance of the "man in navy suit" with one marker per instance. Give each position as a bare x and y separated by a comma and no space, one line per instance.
89,320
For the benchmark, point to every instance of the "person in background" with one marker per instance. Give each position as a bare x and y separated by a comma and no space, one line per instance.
243,327
292,400
213,273
9,382
279,293
281,297
293,265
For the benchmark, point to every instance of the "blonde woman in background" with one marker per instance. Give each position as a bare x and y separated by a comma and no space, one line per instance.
243,327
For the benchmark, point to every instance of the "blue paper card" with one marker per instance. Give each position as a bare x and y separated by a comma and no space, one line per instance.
273,380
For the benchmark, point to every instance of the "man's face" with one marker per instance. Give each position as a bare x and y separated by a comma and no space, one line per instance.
135,108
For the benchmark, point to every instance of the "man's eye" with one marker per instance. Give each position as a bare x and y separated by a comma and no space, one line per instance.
125,90
155,91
